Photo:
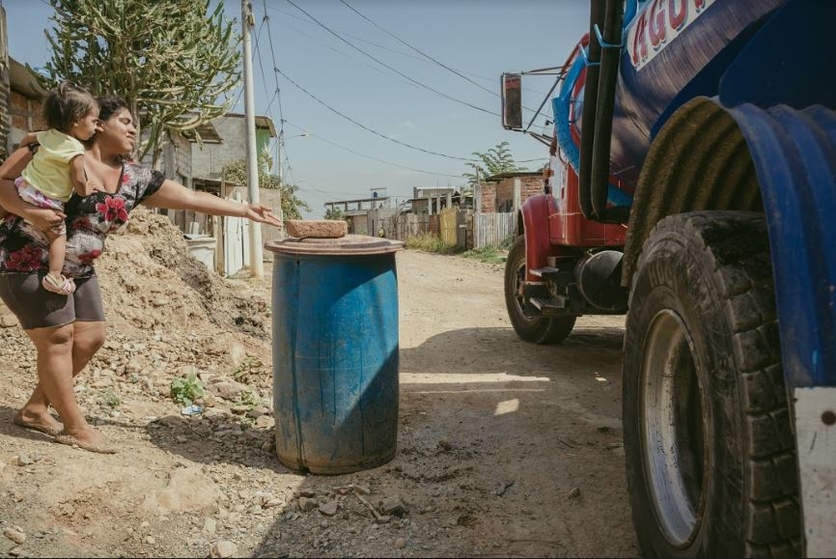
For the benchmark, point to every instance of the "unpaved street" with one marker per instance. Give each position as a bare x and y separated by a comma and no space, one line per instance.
504,448
539,425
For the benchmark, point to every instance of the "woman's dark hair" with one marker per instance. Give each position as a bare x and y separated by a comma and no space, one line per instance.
110,105
67,104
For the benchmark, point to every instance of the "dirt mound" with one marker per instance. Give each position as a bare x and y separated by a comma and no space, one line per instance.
149,280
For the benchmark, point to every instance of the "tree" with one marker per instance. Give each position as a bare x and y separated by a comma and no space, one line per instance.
292,205
171,60
496,160
334,213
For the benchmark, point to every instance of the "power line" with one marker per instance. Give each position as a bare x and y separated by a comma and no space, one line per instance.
363,40
261,66
278,92
252,57
327,141
426,59
329,47
425,55
277,95
416,82
364,127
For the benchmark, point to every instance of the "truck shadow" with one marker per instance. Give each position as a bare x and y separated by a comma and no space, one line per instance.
490,429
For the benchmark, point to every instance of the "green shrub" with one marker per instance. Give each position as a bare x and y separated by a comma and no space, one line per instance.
489,254
430,243
186,390
109,398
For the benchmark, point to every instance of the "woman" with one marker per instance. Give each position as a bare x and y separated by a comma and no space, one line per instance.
67,330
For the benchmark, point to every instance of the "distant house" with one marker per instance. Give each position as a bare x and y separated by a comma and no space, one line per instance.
364,215
431,200
224,141
498,192
200,166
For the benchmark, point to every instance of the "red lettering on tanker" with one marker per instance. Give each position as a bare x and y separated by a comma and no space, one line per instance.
656,29
658,24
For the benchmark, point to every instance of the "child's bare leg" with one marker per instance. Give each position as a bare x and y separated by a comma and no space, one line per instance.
57,253
55,281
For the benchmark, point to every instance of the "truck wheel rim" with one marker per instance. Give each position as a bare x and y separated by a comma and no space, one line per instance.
519,298
673,446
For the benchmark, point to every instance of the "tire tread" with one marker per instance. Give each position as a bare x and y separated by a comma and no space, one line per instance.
737,244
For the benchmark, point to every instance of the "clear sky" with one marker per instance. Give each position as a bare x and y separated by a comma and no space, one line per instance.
364,61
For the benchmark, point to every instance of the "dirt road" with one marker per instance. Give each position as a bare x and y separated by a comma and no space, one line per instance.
504,449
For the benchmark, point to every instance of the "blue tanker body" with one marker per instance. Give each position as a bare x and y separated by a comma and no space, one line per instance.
707,130
674,50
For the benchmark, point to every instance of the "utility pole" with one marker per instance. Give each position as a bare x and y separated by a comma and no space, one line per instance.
247,21
477,193
280,142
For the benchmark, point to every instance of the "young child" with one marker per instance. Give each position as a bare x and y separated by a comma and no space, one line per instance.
57,168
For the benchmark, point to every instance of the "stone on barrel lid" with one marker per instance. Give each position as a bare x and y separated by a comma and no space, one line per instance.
316,228
347,245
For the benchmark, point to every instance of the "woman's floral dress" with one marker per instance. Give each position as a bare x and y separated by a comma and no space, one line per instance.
24,249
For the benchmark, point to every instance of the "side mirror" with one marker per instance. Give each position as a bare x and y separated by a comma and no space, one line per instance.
512,101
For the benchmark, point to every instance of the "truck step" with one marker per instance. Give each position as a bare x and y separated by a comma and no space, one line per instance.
545,305
543,272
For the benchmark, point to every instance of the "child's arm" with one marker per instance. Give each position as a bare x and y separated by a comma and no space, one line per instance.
28,139
42,218
81,185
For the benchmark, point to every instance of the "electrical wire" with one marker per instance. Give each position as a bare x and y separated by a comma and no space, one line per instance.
422,53
492,80
364,127
416,82
342,53
283,121
257,54
327,141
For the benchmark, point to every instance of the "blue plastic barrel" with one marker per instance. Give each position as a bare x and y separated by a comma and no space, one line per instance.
335,352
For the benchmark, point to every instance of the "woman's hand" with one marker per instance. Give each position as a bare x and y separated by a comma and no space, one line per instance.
43,219
175,196
29,138
262,214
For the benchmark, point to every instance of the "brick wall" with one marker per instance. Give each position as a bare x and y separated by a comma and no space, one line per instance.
26,116
530,185
488,197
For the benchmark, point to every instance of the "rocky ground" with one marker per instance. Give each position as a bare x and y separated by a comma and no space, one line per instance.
504,448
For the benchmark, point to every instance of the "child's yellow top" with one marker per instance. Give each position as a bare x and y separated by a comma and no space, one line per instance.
49,170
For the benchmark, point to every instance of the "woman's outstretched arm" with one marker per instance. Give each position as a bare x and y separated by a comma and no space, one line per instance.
175,196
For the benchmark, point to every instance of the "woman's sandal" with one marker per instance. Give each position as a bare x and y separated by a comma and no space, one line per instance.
101,448
51,430
58,283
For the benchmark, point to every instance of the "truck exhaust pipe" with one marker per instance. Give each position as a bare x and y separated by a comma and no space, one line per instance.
598,278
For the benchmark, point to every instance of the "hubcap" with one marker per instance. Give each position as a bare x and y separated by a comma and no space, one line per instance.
672,420
519,298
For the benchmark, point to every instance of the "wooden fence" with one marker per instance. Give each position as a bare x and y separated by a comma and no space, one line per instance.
448,225
407,225
492,229
454,227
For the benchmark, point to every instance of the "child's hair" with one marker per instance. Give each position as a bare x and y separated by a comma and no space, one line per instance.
67,104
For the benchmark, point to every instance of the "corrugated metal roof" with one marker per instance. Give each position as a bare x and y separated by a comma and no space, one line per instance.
23,81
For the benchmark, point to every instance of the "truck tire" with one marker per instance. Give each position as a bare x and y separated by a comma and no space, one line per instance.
535,329
710,453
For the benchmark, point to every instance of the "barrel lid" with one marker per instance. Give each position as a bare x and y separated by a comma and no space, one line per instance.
347,245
